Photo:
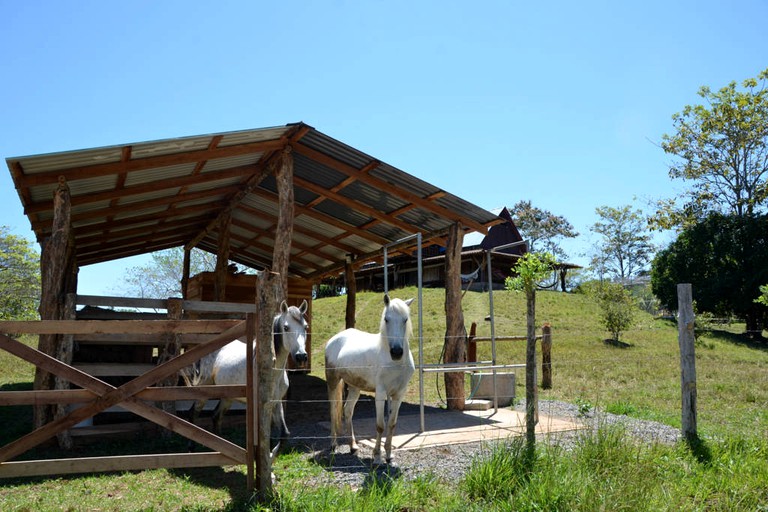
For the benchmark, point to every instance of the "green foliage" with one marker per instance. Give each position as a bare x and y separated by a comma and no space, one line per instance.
19,278
542,229
722,150
625,247
763,298
725,258
617,307
500,472
584,406
161,278
530,270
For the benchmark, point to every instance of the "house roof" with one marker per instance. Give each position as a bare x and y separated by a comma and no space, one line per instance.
142,197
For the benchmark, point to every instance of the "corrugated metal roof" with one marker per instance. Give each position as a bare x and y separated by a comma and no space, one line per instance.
140,197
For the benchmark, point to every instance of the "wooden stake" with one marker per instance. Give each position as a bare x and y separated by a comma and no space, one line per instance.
686,339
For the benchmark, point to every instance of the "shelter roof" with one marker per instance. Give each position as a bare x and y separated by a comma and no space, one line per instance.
143,197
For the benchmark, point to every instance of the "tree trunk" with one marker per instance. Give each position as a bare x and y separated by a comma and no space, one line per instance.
271,289
455,331
58,277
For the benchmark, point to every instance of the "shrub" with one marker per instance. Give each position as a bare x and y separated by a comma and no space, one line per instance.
617,308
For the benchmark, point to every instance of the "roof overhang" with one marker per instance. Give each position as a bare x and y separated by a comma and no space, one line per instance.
143,197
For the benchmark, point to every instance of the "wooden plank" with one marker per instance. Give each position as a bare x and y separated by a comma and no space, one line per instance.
114,463
199,306
138,339
116,326
114,369
73,396
124,302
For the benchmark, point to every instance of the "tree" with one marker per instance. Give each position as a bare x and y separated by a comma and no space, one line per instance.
530,269
542,229
161,277
19,277
722,149
725,258
625,249
617,308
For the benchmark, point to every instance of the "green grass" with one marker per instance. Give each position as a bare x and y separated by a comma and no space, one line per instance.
606,470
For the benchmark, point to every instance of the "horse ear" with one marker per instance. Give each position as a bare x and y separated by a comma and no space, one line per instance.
408,302
283,307
303,307
386,299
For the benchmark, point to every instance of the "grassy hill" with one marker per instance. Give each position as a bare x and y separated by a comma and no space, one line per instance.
641,377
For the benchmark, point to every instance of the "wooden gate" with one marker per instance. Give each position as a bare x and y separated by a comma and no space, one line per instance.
96,396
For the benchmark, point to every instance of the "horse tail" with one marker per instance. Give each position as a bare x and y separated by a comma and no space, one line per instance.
335,399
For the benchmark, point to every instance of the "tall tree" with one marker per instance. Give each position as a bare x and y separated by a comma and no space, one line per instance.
722,150
543,230
625,249
161,277
725,258
19,277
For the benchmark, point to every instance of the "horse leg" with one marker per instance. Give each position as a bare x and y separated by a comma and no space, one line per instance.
353,394
194,410
218,414
335,388
393,412
381,398
279,426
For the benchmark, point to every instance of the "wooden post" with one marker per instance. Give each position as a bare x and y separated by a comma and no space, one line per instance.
251,405
531,392
685,326
284,228
222,259
171,349
185,272
472,344
58,277
271,288
349,279
64,354
455,331
546,357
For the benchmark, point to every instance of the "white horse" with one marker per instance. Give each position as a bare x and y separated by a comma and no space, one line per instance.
227,365
380,362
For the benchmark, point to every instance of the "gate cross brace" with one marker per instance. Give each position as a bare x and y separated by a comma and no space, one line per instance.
124,395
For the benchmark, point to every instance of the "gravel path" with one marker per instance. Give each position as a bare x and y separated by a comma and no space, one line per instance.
448,462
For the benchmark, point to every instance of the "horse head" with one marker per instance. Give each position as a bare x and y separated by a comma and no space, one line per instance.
290,331
396,325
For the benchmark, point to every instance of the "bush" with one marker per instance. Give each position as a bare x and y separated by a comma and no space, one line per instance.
617,307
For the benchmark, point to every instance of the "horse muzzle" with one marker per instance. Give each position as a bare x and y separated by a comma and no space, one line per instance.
300,358
396,353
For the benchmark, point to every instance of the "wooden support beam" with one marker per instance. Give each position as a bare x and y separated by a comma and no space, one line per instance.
56,267
455,332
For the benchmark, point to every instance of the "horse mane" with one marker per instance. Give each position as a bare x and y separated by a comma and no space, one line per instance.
277,334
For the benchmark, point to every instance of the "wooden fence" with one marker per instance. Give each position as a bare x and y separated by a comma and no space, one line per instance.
199,336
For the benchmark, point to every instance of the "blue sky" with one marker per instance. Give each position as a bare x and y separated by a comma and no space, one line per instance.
562,104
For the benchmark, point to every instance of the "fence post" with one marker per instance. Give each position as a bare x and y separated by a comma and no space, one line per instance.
546,356
685,326
531,391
